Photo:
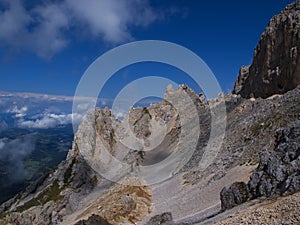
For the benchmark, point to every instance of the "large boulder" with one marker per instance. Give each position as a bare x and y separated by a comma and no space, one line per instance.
162,219
93,220
236,194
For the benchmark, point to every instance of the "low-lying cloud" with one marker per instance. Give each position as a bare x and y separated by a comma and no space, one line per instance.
19,112
14,152
49,121
43,28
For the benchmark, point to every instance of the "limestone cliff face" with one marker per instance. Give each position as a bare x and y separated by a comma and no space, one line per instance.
74,191
275,68
82,186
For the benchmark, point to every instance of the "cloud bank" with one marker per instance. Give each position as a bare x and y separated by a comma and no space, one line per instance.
44,28
19,112
50,120
14,152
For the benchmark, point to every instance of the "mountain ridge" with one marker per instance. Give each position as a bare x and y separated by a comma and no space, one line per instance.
81,190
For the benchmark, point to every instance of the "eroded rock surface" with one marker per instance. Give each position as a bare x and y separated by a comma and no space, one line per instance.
236,194
275,68
163,219
93,220
278,172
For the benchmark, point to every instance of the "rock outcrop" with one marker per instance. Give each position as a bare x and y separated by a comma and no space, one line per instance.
64,192
275,68
73,192
236,194
163,219
93,220
278,172
285,210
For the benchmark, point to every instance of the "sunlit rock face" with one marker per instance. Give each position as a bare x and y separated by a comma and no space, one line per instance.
147,136
275,68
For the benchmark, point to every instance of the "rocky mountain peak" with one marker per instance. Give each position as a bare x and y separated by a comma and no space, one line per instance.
98,183
76,193
275,68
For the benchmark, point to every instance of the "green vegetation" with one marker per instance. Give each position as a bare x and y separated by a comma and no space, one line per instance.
51,146
51,194
94,181
28,205
256,129
273,120
2,215
68,172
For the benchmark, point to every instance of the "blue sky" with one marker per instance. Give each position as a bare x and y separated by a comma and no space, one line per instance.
45,46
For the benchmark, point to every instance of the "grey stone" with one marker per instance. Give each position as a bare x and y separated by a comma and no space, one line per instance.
236,194
277,174
162,219
93,220
281,173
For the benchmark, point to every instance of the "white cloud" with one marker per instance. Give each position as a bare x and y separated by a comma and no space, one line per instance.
50,121
19,112
14,152
13,21
111,19
42,28
47,121
15,109
120,112
20,115
120,115
48,36
2,143
84,106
